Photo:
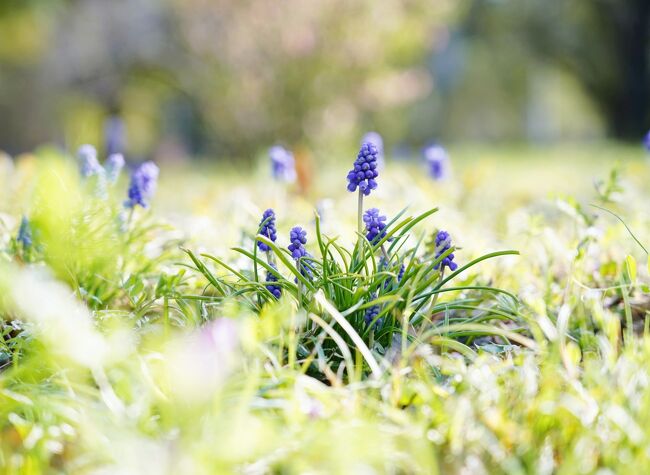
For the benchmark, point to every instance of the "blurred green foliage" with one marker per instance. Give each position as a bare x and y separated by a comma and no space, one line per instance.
228,77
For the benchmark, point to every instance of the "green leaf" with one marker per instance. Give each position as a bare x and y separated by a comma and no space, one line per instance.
630,267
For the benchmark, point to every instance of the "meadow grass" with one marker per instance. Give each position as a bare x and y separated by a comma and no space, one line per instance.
149,342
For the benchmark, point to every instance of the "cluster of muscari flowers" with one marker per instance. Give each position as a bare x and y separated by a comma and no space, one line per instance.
267,229
364,173
298,238
283,164
372,312
376,139
144,180
437,161
443,243
646,141
276,290
24,236
375,225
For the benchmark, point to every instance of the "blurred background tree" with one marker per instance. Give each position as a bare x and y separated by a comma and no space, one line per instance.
226,78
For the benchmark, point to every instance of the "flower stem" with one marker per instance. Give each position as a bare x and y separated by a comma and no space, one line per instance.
435,297
383,251
360,212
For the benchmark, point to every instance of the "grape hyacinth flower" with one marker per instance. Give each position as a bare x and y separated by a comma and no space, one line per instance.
372,312
276,290
375,225
298,238
283,164
88,163
144,180
113,166
443,243
24,236
646,141
364,173
437,161
376,139
267,229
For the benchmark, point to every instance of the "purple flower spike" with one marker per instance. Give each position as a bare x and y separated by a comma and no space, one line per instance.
267,229
437,162
646,141
375,225
298,238
364,173
443,243
144,181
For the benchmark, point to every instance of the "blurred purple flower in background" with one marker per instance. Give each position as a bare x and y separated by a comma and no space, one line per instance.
88,163
283,164
646,141
114,133
113,166
437,161
144,180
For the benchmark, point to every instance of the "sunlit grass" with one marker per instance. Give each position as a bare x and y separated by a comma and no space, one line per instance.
121,354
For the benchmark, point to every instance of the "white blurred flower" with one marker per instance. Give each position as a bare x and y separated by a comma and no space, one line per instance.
200,362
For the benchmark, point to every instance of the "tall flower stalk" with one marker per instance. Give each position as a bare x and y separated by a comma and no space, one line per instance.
363,177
